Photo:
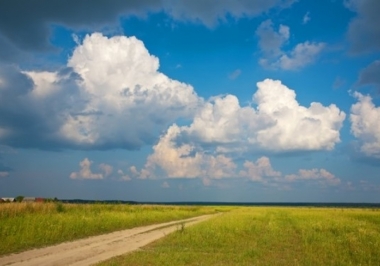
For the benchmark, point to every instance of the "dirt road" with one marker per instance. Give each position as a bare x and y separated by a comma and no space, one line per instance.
98,248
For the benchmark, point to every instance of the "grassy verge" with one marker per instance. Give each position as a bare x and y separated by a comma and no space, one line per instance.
30,225
270,236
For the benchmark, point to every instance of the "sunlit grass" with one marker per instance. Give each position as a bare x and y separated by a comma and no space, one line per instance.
28,225
270,236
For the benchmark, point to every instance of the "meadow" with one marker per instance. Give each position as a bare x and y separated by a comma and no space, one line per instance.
269,236
30,225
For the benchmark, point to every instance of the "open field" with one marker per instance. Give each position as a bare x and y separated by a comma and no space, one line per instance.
29,225
270,236
91,250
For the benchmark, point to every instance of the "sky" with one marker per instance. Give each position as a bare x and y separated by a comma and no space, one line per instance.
180,100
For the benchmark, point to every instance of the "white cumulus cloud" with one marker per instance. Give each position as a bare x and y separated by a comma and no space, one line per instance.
170,160
320,175
110,95
365,126
295,127
85,171
278,123
222,129
259,170
123,85
303,54
106,168
185,160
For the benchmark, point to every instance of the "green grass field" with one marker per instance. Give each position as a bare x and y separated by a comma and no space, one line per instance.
29,225
270,236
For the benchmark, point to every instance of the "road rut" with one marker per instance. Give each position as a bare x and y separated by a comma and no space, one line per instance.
95,249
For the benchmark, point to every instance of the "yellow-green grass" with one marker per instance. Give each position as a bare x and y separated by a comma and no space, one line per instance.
30,225
270,236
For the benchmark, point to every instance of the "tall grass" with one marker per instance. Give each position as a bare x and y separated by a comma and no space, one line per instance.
270,236
28,225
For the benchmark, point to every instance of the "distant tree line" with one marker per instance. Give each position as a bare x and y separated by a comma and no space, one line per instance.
21,199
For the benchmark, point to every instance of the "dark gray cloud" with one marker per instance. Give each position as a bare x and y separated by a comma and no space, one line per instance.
364,30
25,25
370,75
209,12
26,121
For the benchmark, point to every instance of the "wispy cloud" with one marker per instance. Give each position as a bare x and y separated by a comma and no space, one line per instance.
338,83
234,74
123,176
271,43
4,173
306,18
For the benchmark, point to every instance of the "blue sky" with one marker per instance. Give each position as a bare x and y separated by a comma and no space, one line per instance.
163,100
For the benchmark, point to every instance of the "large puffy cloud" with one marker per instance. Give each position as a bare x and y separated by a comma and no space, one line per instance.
30,31
295,127
222,128
271,43
364,32
111,95
129,100
365,117
277,124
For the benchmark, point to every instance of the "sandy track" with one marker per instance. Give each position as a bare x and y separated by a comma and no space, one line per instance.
98,248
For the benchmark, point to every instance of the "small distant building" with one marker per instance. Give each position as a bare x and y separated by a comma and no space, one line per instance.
40,200
29,199
7,199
